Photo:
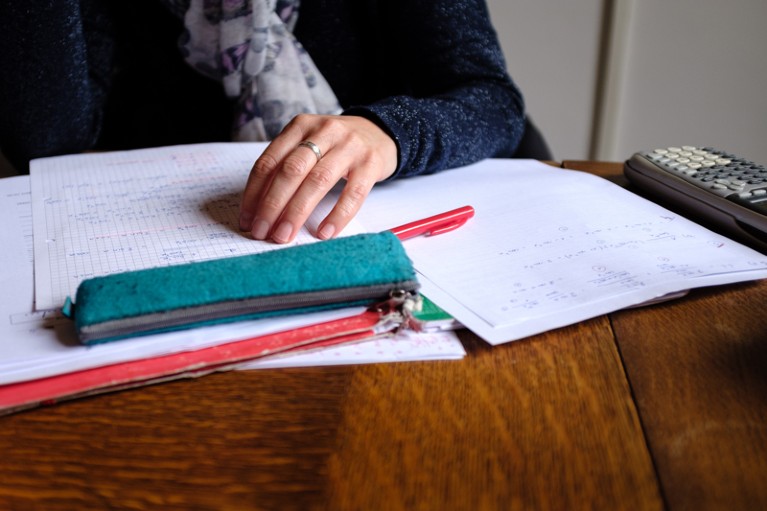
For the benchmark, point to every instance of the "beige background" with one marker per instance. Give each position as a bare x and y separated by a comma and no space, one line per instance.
673,72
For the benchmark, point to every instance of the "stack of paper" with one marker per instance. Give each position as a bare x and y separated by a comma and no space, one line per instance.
37,342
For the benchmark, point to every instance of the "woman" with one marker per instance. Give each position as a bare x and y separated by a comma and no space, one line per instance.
418,86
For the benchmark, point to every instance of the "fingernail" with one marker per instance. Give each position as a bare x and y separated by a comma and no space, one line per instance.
327,232
283,232
260,229
246,220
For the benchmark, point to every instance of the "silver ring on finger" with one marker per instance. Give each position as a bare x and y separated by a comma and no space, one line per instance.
311,145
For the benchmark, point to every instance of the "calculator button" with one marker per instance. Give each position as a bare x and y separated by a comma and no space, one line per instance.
759,192
718,186
689,148
661,151
723,161
674,149
707,163
683,160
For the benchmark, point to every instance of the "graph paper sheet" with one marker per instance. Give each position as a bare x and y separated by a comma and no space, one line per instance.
99,214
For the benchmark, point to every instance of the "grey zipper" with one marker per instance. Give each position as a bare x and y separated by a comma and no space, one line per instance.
231,309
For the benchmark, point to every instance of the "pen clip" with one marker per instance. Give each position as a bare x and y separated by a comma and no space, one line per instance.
434,225
447,228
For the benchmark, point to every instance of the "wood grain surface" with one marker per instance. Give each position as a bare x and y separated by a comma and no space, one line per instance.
544,423
698,368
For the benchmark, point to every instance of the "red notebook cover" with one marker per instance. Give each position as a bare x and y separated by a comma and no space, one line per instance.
44,391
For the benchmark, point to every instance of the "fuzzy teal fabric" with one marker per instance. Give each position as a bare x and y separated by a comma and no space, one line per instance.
354,261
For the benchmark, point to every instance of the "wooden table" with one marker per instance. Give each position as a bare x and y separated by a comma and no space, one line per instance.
657,408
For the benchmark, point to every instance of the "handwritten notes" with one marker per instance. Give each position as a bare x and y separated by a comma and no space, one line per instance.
550,247
106,213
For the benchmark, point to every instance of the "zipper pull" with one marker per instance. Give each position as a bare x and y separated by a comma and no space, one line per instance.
399,309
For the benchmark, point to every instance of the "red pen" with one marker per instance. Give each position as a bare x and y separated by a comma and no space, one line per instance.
437,224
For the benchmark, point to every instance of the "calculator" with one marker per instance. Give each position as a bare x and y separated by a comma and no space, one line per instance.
719,189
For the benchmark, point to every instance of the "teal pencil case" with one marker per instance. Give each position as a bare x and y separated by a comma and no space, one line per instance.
357,270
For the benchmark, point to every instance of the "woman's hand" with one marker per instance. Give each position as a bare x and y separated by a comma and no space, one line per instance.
288,180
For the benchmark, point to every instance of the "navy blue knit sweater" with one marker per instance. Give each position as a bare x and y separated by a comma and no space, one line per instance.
96,74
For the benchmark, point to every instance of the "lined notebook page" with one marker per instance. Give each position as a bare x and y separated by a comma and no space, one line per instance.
98,214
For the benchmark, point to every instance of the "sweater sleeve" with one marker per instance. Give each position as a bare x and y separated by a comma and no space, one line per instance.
463,106
56,62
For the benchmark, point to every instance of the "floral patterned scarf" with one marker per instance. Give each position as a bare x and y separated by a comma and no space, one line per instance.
248,45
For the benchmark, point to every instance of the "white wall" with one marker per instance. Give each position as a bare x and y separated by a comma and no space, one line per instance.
678,72
692,72
552,49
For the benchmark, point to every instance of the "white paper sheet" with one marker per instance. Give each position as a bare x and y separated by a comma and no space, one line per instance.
105,213
406,346
550,247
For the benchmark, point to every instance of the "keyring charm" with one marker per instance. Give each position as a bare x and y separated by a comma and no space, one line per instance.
311,145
